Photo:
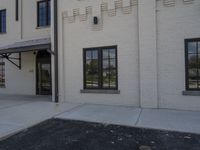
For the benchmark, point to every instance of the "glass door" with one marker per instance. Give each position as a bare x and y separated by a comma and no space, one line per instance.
43,74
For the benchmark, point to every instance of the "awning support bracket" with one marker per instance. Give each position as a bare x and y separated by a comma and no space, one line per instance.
50,51
10,59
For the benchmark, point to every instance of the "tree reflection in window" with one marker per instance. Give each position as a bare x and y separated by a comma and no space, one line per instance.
92,71
193,64
100,68
2,73
109,68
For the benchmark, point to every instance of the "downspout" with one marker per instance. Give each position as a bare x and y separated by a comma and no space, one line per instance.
21,20
56,49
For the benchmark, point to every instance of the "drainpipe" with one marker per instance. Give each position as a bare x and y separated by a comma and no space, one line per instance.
56,49
21,21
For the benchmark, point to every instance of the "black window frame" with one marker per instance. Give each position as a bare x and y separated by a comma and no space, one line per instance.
100,65
48,19
2,70
187,64
3,31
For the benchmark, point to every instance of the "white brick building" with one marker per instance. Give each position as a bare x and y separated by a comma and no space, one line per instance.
143,53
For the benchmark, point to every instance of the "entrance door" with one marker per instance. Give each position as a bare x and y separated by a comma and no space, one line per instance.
43,73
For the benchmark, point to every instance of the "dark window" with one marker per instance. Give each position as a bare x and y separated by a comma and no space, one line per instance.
44,13
17,10
100,68
2,74
2,21
192,48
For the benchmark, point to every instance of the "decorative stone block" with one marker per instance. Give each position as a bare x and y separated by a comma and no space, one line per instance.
169,2
89,10
75,12
188,1
71,19
111,12
133,2
127,10
118,4
104,6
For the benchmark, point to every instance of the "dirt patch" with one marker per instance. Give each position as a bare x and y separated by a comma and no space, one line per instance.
58,134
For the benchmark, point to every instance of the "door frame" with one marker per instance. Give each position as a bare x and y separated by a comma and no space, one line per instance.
36,73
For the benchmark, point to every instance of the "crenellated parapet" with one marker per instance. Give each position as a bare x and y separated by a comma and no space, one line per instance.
173,2
110,8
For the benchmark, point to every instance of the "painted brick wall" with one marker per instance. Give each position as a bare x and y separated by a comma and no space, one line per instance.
174,24
119,29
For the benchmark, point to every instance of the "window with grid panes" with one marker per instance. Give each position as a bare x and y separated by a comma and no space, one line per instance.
192,53
100,68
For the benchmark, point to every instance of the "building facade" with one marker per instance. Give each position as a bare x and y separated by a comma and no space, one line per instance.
20,24
142,53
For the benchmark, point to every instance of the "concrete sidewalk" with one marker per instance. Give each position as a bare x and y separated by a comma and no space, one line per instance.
18,113
164,119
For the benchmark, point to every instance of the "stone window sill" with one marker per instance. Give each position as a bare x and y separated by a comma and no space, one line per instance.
191,93
100,91
43,27
2,33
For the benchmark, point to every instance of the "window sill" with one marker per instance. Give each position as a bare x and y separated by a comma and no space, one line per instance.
191,93
100,91
43,27
2,86
2,33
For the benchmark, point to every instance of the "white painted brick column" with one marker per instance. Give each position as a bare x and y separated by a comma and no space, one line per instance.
148,53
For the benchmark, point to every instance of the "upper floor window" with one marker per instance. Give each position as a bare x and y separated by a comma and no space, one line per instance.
44,13
2,73
100,68
192,48
2,21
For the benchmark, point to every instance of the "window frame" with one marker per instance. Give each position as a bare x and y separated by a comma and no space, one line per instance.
3,72
100,67
187,64
48,22
3,10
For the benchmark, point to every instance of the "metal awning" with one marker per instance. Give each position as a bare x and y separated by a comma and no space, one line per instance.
25,46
